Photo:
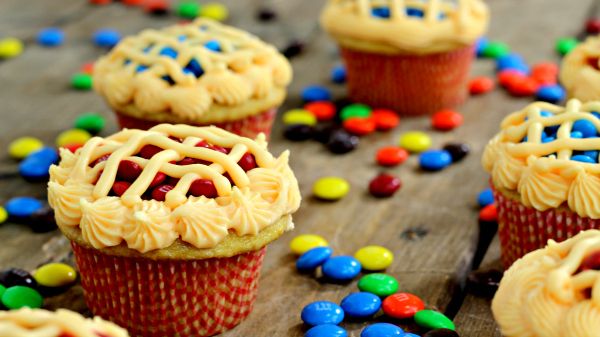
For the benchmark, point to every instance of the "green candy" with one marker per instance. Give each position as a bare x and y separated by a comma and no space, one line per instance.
431,319
188,9
90,122
2,290
381,285
81,81
355,110
565,45
19,296
495,50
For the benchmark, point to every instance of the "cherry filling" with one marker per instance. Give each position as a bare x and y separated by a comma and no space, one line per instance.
148,151
119,187
128,170
160,192
203,187
99,160
591,262
159,178
593,62
247,162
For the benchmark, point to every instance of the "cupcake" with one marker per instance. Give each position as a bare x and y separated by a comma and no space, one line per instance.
202,73
580,71
62,323
169,226
412,56
545,175
554,291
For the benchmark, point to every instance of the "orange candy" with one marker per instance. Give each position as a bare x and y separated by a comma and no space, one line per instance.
323,110
359,126
385,119
507,77
488,213
481,85
88,68
446,120
545,73
391,156
73,147
524,86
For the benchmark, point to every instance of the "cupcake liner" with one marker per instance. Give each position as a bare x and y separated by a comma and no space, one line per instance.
523,229
412,85
175,298
249,126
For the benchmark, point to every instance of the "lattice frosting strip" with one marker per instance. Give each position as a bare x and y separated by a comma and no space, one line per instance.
80,187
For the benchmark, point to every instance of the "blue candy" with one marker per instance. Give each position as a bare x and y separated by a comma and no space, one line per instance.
338,74
485,197
545,113
592,154
435,160
415,12
22,207
480,45
381,12
195,67
313,258
382,330
34,169
322,312
550,93
361,304
213,45
141,68
576,134
313,93
583,158
51,37
46,154
596,114
408,334
341,268
326,330
181,38
169,52
548,139
106,37
585,127
512,61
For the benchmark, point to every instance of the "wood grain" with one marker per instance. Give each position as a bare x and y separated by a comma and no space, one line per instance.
36,100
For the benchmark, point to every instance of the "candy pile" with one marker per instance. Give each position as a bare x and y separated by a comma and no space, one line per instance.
188,9
488,211
19,288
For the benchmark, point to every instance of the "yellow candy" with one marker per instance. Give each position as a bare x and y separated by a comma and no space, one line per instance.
24,146
374,257
72,137
10,47
299,116
331,188
215,11
55,275
415,141
305,242
3,214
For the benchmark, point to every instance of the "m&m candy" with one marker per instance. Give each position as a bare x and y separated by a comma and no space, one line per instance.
215,11
565,45
481,85
298,132
391,156
51,37
22,207
550,93
55,275
440,333
385,119
82,81
90,122
338,74
458,151
382,330
10,47
355,110
313,93
359,126
313,258
495,50
446,120
592,26
361,304
379,284
374,258
17,297
322,312
299,116
402,305
488,213
322,110
326,330
384,185
331,188
415,141
341,142
73,136
106,37
485,197
24,146
17,277
3,215
305,242
188,9
435,160
341,268
431,319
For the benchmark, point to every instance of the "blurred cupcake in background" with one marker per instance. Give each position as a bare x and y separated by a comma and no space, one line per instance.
580,71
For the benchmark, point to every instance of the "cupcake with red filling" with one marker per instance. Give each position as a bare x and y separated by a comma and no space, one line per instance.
201,73
413,56
169,226
62,323
580,71
545,175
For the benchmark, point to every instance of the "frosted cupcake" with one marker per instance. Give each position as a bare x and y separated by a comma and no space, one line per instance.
580,70
202,73
545,175
62,323
554,291
169,226
413,56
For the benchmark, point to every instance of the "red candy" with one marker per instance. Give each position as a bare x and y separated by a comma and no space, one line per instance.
524,86
402,305
488,213
545,73
385,119
188,161
591,262
592,26
247,162
384,185
481,85
160,193
359,126
391,156
446,120
128,170
322,110
119,187
88,68
203,187
100,2
156,5
72,147
159,178
132,2
101,159
148,151
219,149
507,77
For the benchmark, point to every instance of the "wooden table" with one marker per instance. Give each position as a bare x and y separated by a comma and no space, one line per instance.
431,224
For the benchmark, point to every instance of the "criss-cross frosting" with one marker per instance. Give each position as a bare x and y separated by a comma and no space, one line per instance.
247,201
553,292
201,71
580,70
42,323
549,155
405,26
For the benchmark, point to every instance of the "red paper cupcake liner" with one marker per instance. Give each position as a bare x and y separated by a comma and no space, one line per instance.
160,298
523,229
410,84
249,126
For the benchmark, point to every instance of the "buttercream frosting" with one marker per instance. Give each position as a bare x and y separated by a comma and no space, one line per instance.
547,294
80,189
580,70
42,323
444,25
542,172
198,72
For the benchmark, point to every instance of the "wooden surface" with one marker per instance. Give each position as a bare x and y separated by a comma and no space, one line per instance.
35,99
